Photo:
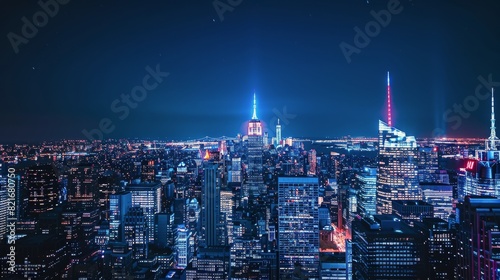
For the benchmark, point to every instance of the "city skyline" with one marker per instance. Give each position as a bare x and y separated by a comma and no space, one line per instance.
240,140
302,61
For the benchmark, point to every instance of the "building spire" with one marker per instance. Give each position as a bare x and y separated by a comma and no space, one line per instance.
493,137
254,116
389,109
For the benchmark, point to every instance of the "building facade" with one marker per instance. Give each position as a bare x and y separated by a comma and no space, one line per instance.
397,174
298,225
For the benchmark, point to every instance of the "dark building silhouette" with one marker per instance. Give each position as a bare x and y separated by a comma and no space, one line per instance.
412,210
148,171
43,189
83,190
210,204
440,244
387,248
478,238
40,256
136,232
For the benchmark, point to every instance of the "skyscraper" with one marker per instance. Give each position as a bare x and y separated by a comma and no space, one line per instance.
312,162
367,194
428,164
298,234
478,237
164,229
480,176
148,197
136,233
278,133
148,171
43,190
182,246
384,247
411,211
255,182
210,201
440,247
397,174
119,204
83,191
226,208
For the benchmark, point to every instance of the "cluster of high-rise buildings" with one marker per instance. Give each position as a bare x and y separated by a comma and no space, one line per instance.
250,208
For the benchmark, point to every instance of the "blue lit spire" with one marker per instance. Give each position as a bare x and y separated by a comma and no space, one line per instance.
493,137
254,116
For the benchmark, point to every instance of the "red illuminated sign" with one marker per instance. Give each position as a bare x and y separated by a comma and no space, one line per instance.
471,165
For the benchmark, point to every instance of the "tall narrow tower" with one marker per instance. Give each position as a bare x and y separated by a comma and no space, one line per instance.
255,182
397,172
278,133
210,204
480,175
491,144
389,108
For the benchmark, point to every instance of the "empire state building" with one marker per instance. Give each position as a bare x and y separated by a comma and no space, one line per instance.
255,183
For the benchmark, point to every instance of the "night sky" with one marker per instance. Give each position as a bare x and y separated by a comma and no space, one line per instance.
67,76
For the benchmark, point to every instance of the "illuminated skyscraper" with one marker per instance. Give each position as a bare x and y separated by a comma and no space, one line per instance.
367,194
478,236
481,175
119,204
384,247
43,190
148,171
136,233
312,162
440,247
397,174
278,133
298,222
83,191
226,208
182,246
148,197
255,182
428,165
210,204
235,173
